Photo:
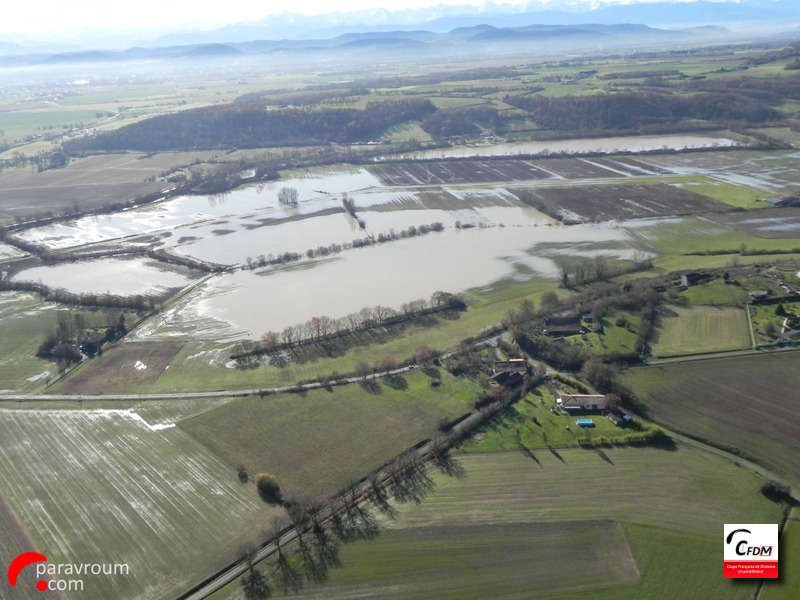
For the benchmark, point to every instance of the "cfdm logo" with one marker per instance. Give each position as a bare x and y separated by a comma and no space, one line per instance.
751,551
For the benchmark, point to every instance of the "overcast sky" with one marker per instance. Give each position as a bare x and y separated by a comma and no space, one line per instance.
35,17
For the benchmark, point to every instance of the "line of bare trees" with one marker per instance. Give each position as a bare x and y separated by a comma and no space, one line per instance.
321,528
319,330
137,302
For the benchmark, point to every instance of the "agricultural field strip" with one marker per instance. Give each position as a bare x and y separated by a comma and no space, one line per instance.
83,480
734,411
636,486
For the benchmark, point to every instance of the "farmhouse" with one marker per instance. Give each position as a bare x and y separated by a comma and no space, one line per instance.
582,402
559,326
759,294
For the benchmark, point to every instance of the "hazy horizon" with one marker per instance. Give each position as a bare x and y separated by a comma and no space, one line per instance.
35,21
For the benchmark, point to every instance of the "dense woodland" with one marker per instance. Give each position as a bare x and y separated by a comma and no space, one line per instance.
640,109
252,126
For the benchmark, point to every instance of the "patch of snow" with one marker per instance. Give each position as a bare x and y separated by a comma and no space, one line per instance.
40,376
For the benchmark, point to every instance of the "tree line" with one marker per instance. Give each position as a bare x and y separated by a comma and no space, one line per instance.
319,330
263,260
137,302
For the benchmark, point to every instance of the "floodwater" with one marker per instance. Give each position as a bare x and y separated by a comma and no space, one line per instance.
640,143
234,245
7,251
231,241
317,190
114,276
248,303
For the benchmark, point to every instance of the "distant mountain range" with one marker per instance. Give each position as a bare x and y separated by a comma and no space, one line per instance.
457,41
443,19
433,25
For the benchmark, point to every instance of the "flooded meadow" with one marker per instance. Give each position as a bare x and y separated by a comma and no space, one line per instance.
413,228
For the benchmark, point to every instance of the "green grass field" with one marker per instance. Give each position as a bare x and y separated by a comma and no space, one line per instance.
318,442
95,486
612,338
21,123
668,264
715,291
747,402
739,196
662,508
787,587
464,563
692,234
26,320
699,329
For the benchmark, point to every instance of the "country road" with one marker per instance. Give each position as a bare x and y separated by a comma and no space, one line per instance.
196,395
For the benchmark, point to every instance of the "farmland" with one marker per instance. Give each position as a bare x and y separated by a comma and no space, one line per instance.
504,169
769,223
602,203
699,329
788,586
13,538
746,403
619,510
89,485
320,441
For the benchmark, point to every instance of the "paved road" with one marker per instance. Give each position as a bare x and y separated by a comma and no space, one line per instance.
191,395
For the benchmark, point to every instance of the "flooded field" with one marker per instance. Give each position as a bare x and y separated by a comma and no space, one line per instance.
116,276
490,231
606,202
7,252
771,172
768,223
248,303
641,143
512,169
315,192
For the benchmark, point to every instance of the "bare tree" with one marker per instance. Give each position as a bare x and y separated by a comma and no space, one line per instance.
563,275
287,195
